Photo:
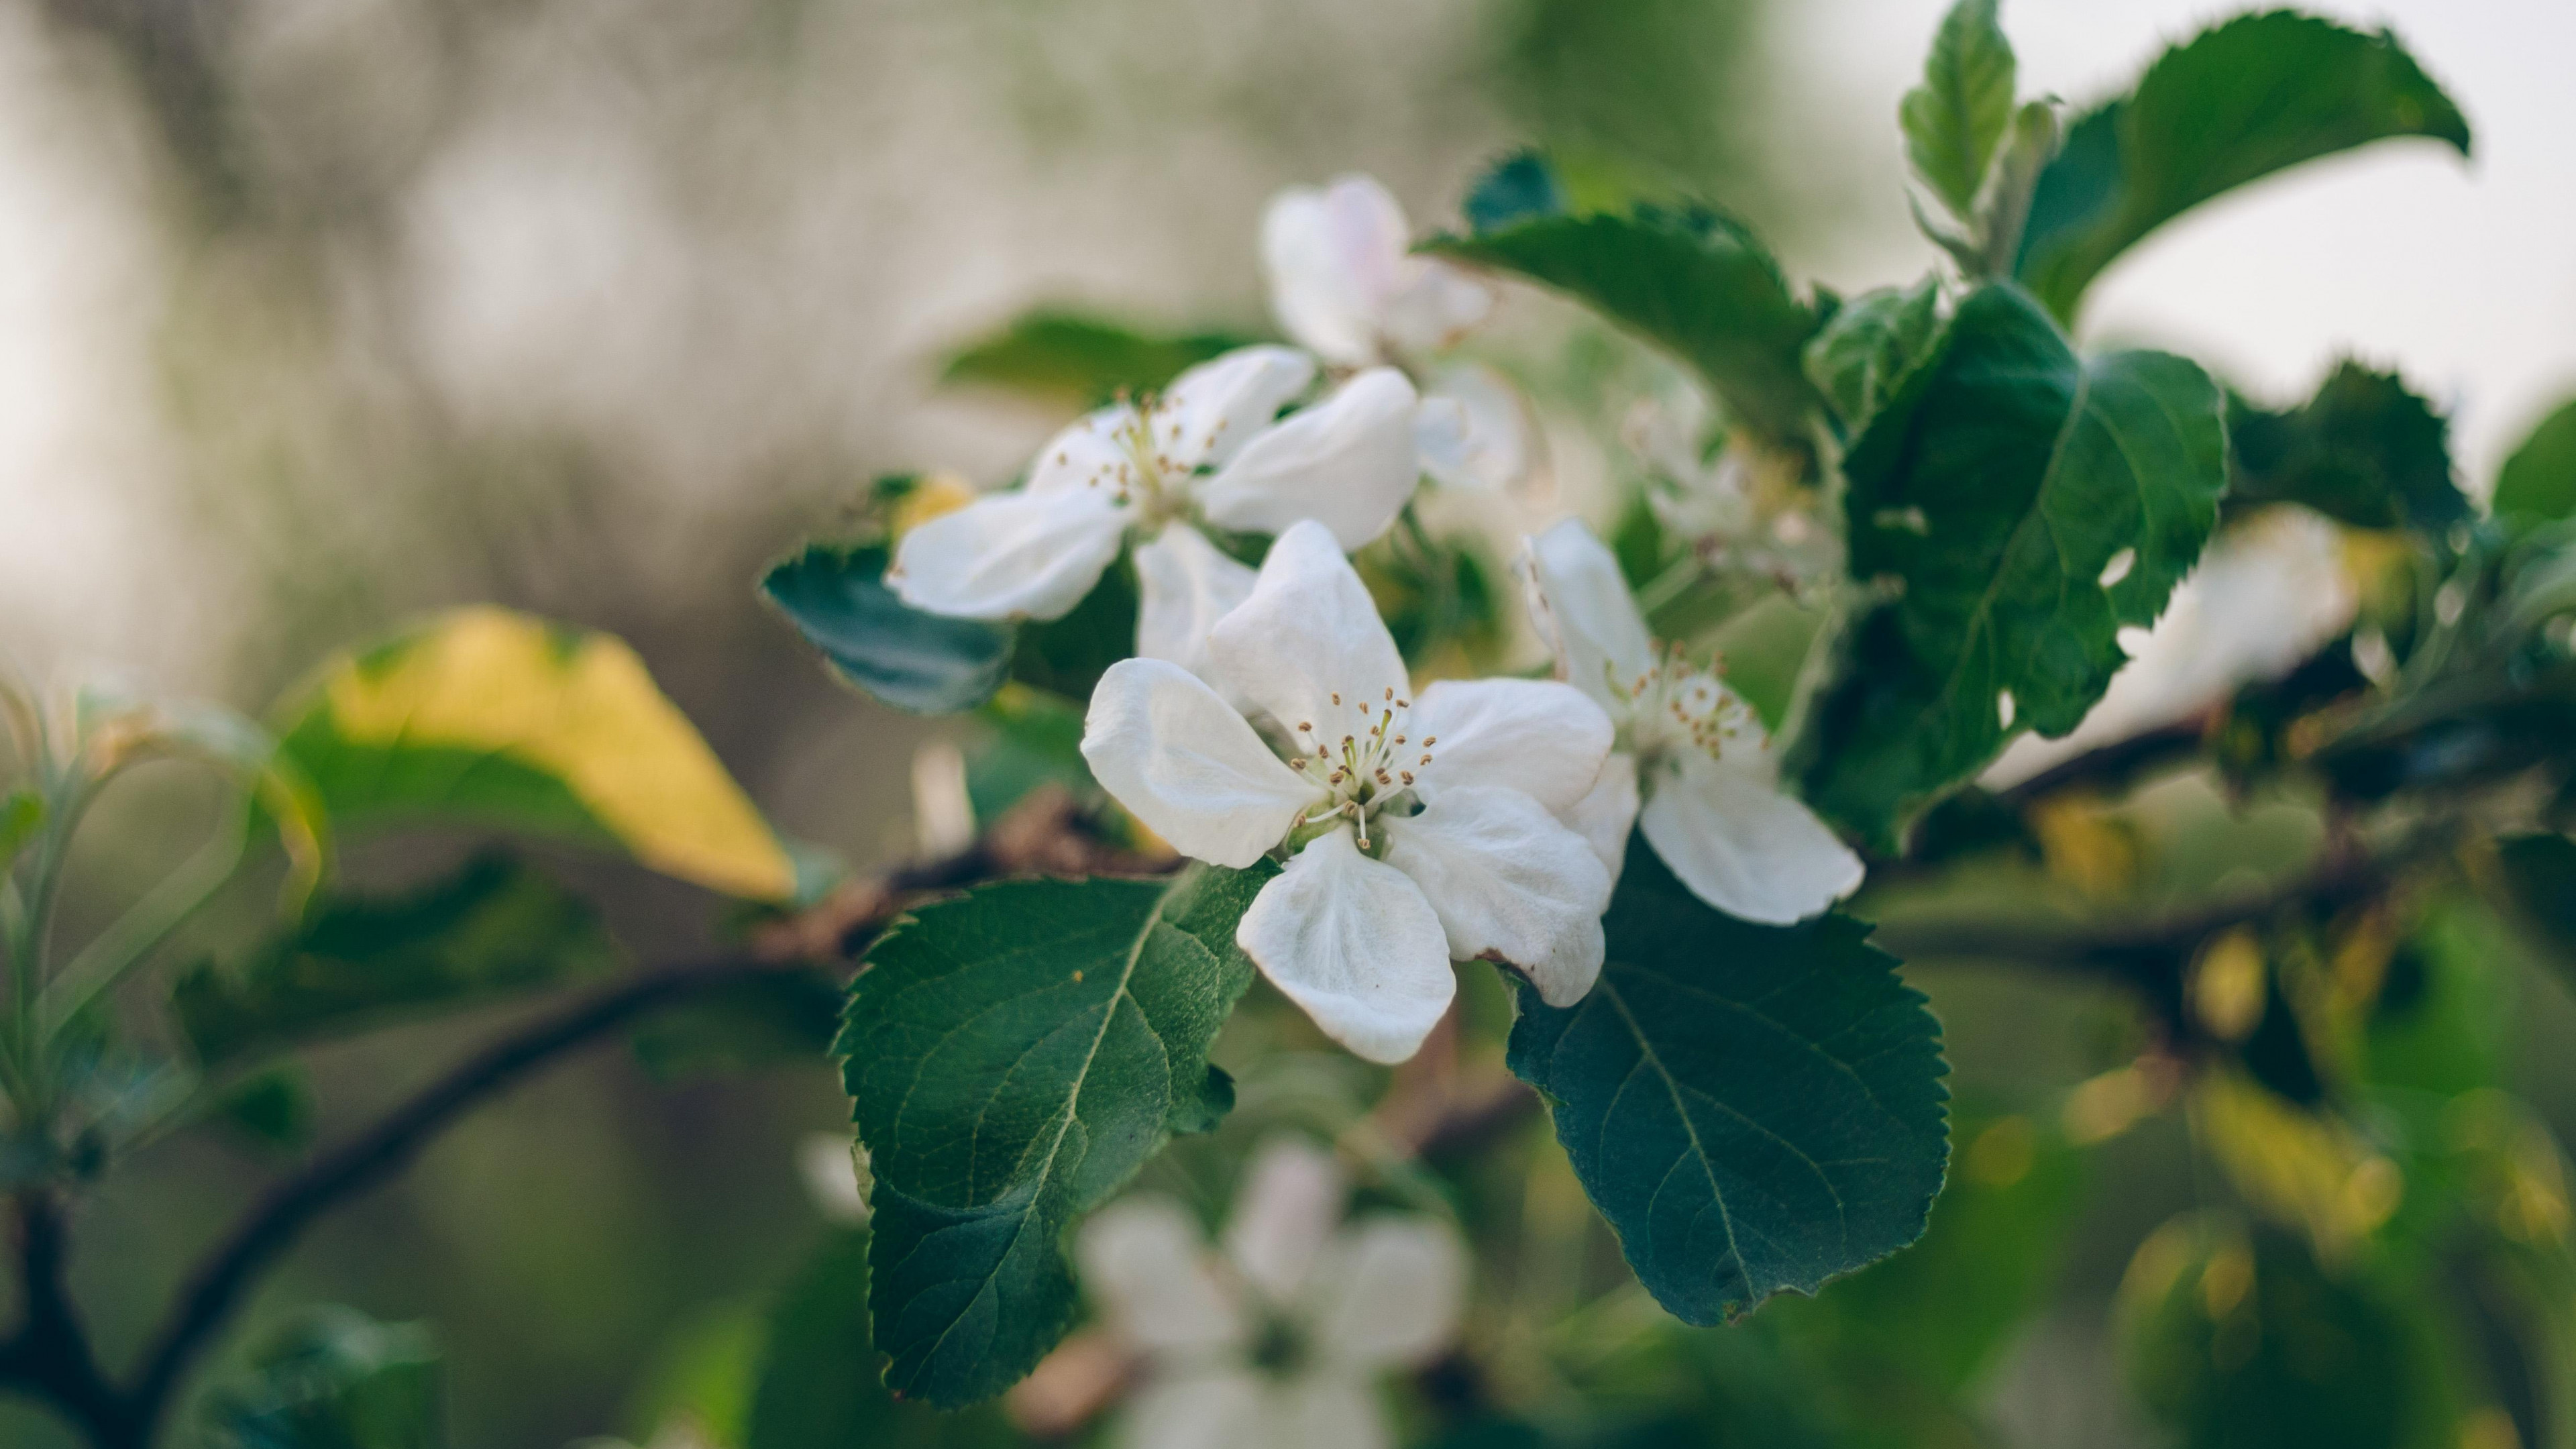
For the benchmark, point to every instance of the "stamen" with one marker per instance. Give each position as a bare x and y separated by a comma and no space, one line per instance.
1390,694
1305,727
1383,778
1298,763
1429,740
1337,698
1405,775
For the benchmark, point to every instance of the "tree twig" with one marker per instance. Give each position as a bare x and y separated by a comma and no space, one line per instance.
50,1353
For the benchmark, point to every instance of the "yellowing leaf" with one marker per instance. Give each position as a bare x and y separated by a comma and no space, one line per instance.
502,719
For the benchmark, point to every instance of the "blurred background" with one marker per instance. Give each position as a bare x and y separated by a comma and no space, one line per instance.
315,314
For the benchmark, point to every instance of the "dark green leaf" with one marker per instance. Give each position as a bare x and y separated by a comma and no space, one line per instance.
1014,1056
1753,1108
923,663
493,928
335,1379
1520,187
2234,104
1031,738
2540,478
818,1386
2029,505
1688,280
1081,361
1868,347
1956,118
1067,656
768,1019
2541,872
2364,450
273,1108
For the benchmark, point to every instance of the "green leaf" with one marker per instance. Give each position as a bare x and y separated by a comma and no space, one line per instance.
2028,505
1688,280
2540,478
1078,361
1520,187
2540,871
492,929
1030,738
921,663
1067,656
22,814
1014,1056
2364,450
1868,347
1956,118
1754,1108
767,1019
2238,102
495,718
273,1108
335,1379
817,1386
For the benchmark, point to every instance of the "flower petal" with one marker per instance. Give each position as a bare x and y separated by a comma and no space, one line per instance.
1011,555
1509,883
1338,1410
1432,306
1289,1204
1352,941
1348,462
1212,410
1185,585
1581,605
1542,738
1390,1292
1087,454
1741,845
1333,257
1471,431
1145,1262
1604,817
1184,762
1224,1406
1308,632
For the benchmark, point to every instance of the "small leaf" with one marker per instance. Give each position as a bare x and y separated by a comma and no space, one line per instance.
273,1108
492,929
1956,118
1078,361
1014,1056
2364,450
1520,187
335,1379
2540,478
1869,346
1687,280
1995,488
2238,102
496,718
1754,1108
922,663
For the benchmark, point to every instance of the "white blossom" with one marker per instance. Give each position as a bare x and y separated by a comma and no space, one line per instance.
1210,449
1693,766
1273,1341
1419,829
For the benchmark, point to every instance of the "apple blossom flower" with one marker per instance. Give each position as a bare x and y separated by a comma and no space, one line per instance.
1275,1339
1345,284
1418,828
1208,449
1693,766
1741,509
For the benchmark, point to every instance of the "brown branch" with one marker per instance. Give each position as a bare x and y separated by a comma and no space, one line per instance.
50,1354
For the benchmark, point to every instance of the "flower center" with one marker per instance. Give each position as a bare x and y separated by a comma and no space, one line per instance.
1677,704
1364,757
1152,478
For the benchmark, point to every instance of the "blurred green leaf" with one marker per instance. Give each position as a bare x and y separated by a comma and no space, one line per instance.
1867,348
1079,361
22,814
334,1379
768,1019
1688,280
1067,1024
1030,738
2540,478
818,1384
1520,187
1956,118
1067,656
490,717
493,928
2364,450
2030,504
1753,1108
917,662
1644,87
2236,103
273,1108
2540,870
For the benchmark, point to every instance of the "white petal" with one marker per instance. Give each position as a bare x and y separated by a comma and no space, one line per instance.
1085,455
1604,816
1352,941
1471,431
1432,306
1145,1263
1348,462
1581,604
1166,747
1333,258
1509,883
1185,585
1212,410
1010,556
1197,1411
1741,845
1309,631
1542,738
1390,1291
1289,1204
1320,1410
